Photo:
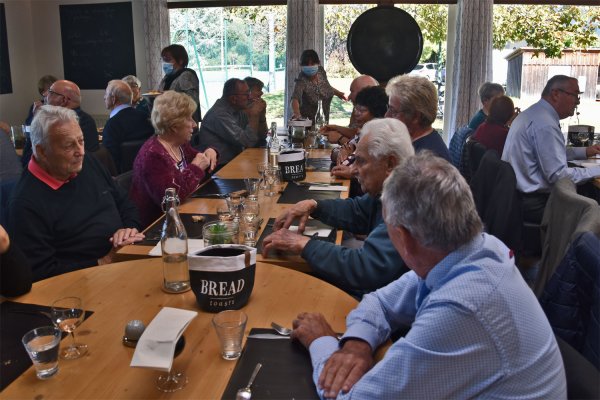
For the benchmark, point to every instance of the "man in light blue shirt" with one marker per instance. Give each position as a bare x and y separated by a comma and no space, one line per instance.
477,330
535,146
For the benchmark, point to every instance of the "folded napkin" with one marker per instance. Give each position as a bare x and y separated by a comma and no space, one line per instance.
156,346
311,231
335,188
193,246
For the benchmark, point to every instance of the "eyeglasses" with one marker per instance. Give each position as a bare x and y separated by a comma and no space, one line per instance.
576,95
50,91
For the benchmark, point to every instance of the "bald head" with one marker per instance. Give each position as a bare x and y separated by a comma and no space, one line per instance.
359,84
117,92
65,94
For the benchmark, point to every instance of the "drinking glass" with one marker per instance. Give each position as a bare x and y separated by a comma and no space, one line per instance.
261,168
173,380
42,346
67,314
252,185
230,326
272,177
224,213
235,202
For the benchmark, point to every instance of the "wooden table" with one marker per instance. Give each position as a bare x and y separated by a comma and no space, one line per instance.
244,166
121,292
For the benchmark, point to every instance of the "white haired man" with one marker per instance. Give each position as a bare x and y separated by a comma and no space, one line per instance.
413,100
125,123
472,314
384,144
66,211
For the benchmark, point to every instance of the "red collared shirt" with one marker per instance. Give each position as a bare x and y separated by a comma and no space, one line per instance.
44,176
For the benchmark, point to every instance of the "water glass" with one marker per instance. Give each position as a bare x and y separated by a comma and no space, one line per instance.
252,185
224,213
235,203
42,346
273,178
230,326
17,136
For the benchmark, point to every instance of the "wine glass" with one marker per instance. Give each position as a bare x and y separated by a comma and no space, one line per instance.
261,168
173,380
67,314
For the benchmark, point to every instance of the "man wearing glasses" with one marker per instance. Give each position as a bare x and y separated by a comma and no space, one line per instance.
535,146
67,94
231,124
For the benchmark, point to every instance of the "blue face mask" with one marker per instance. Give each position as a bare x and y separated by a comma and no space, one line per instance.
310,70
167,68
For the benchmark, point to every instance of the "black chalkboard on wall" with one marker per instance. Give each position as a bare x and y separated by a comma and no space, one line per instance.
5,78
97,43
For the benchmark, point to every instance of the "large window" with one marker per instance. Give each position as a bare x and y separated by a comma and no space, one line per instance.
234,42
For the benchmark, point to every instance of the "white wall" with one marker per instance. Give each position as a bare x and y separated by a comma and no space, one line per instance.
35,49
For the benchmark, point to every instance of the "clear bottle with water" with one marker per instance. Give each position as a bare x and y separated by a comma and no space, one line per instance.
318,123
274,149
174,246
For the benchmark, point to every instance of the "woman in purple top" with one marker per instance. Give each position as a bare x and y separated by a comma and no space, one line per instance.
167,159
492,133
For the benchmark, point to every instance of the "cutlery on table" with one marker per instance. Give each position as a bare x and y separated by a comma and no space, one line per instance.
282,330
245,393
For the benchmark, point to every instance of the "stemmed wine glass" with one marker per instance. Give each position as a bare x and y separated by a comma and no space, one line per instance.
173,380
67,314
262,168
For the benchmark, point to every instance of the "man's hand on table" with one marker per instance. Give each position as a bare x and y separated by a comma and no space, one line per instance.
310,326
342,171
121,238
345,367
284,240
300,210
591,151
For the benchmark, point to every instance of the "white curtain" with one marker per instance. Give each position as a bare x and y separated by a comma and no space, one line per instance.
304,31
156,29
472,60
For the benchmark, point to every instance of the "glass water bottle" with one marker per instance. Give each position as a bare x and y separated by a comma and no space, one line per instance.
174,246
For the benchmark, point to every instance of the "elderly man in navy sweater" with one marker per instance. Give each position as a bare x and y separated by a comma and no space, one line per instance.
66,212
383,145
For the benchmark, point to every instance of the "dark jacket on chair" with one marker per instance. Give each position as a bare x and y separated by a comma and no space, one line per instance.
571,299
497,201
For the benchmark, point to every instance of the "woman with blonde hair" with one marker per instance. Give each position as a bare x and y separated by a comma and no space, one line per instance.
167,159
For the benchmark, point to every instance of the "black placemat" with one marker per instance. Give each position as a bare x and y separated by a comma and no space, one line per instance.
16,319
313,223
219,186
294,193
193,229
318,164
286,371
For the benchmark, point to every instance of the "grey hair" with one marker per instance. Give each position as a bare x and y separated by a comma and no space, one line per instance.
556,82
387,136
131,79
429,197
44,119
120,90
489,90
415,94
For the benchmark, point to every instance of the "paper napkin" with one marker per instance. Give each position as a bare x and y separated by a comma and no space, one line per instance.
193,246
157,344
335,188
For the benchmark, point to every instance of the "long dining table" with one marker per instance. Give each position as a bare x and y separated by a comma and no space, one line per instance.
120,292
245,166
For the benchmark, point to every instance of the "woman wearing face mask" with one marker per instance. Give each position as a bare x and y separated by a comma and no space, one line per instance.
311,86
178,77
